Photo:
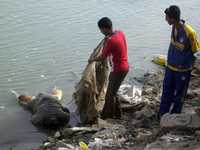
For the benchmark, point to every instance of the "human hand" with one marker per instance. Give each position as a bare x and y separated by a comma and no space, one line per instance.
90,60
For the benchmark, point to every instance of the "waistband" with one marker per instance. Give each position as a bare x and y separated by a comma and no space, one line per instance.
178,68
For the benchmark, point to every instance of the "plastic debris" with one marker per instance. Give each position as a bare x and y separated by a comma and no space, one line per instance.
130,93
83,146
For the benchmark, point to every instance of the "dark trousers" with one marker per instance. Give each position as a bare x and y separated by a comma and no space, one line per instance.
111,107
175,87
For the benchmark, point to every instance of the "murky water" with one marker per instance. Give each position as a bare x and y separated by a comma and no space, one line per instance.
44,43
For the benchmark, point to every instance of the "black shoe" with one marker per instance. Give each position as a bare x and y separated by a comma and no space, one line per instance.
104,117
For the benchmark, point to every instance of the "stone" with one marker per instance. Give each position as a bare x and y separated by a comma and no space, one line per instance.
197,133
109,133
132,107
67,132
50,139
146,112
180,121
143,136
102,124
61,144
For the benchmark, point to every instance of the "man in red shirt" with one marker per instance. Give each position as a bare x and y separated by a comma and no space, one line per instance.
115,48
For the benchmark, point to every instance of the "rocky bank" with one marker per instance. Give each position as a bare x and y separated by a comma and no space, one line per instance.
139,128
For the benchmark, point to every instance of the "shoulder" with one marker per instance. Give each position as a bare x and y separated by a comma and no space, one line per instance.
43,97
110,39
119,32
189,29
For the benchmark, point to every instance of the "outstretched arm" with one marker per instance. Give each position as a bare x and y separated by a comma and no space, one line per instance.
97,58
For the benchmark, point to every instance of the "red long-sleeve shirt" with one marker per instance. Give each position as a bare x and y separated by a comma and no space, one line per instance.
115,48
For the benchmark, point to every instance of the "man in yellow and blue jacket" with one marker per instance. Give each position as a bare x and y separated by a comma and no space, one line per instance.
184,44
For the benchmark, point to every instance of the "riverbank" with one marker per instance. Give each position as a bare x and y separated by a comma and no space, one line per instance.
138,128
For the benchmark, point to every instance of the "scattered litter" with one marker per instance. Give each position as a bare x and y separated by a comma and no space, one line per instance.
83,146
174,138
47,143
98,143
130,93
71,147
57,134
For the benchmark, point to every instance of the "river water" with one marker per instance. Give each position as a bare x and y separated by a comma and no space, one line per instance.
44,43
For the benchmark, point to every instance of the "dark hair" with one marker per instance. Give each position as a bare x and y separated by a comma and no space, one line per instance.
173,12
21,97
105,22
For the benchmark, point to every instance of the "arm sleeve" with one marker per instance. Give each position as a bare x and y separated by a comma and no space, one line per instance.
107,49
191,33
194,42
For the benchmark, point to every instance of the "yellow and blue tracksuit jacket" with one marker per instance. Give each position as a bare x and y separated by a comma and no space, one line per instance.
181,49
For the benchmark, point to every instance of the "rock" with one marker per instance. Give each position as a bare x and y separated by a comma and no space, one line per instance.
197,110
109,133
61,144
197,133
69,146
146,112
52,140
174,142
153,146
67,132
126,107
143,136
102,124
136,131
180,121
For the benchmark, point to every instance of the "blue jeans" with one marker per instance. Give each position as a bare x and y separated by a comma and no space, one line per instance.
175,87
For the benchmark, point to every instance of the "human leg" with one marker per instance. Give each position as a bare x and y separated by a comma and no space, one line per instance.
181,85
111,107
167,93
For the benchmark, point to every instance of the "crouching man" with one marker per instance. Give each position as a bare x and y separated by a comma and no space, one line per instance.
46,109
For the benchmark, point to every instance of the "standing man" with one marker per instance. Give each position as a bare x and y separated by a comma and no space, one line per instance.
180,60
115,49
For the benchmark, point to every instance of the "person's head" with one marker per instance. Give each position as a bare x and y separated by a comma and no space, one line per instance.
25,98
173,14
105,25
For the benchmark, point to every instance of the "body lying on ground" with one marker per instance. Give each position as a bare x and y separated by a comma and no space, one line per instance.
46,109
